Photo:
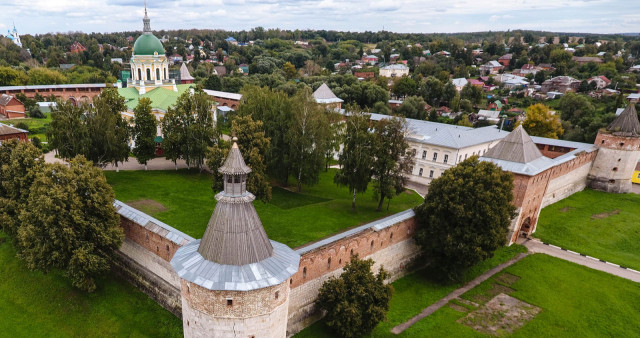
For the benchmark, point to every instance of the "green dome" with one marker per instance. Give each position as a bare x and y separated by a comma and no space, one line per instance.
147,44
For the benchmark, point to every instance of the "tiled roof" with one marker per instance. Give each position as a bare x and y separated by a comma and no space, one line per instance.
5,99
9,130
234,164
626,124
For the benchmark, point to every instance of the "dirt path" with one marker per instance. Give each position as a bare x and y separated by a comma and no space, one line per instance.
455,294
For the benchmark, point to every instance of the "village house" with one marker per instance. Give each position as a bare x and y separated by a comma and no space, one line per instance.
600,81
327,98
77,47
561,84
396,70
11,107
505,60
491,67
492,116
370,59
581,60
459,83
527,69
9,132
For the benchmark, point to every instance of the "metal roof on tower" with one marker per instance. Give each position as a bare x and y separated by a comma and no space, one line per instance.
626,124
516,147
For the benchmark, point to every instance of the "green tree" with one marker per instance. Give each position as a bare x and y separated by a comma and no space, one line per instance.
471,93
431,90
173,136
540,77
357,300
70,223
357,155
540,122
391,163
19,164
289,70
45,76
413,107
466,216
252,141
213,83
144,132
574,107
404,86
12,77
108,131
309,134
68,133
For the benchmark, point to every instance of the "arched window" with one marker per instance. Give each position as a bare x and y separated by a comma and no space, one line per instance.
148,74
165,74
157,74
139,74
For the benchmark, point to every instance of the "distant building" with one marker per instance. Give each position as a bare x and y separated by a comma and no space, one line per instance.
600,81
459,83
491,67
231,40
11,107
581,60
505,60
560,84
13,36
185,76
77,47
397,70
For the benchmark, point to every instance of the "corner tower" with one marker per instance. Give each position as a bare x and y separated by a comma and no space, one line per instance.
235,281
618,154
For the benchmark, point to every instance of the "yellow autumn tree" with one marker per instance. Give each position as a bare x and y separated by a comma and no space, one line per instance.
539,121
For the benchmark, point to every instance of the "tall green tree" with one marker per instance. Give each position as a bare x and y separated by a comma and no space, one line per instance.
19,164
466,216
173,136
108,131
471,93
68,133
357,155
70,223
144,132
213,83
357,300
309,138
540,122
391,163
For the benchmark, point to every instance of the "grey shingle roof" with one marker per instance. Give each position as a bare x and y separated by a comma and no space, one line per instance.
4,99
9,130
516,147
626,124
184,73
324,95
234,164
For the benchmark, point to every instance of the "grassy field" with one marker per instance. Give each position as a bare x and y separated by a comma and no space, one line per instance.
597,224
185,200
575,301
415,292
33,304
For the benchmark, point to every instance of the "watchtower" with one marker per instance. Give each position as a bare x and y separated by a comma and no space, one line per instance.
235,281
618,155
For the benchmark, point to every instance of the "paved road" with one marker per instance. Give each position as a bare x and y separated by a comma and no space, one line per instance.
455,294
159,163
635,188
535,245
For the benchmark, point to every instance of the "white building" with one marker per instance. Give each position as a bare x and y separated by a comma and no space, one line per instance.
396,70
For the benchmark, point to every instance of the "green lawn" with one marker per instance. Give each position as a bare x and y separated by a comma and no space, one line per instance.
597,224
33,304
415,292
575,301
187,202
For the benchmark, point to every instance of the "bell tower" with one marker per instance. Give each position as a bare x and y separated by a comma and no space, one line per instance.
235,281
618,154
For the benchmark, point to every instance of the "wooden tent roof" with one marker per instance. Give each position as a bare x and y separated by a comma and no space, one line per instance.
626,124
515,147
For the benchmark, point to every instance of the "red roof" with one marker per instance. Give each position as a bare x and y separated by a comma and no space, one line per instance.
475,82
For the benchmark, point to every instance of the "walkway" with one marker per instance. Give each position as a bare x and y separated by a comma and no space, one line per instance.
535,246
455,294
159,163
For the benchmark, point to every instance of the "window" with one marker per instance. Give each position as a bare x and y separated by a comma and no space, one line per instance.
139,74
165,74
424,154
148,74
304,272
420,172
446,158
157,74
431,173
465,156
229,302
435,157
413,152
277,294
460,159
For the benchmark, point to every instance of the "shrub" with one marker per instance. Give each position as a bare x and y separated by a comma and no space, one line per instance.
22,125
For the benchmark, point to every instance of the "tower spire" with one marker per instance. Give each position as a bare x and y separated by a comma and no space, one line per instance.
146,21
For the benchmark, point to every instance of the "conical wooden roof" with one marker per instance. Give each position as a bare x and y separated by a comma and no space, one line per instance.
516,147
234,164
627,123
323,93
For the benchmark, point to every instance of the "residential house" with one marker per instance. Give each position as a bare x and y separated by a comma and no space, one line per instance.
495,105
527,69
477,83
8,132
635,68
547,67
77,47
560,84
11,107
633,98
600,81
444,53
396,70
491,67
581,60
493,116
364,75
370,59
459,83
230,40
505,59
220,70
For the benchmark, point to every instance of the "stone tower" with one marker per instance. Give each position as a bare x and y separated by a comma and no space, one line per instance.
235,281
618,154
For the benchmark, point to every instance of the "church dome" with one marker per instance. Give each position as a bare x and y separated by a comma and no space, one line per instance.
148,44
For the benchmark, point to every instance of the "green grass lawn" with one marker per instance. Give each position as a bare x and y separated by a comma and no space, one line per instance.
187,202
597,224
575,301
417,291
33,304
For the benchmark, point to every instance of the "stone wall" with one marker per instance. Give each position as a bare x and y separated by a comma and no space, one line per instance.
388,242
615,163
145,254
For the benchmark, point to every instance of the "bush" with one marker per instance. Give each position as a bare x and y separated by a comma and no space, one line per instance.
22,125
36,113
357,300
36,142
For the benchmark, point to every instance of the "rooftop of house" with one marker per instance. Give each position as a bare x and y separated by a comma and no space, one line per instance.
224,95
5,99
396,66
10,130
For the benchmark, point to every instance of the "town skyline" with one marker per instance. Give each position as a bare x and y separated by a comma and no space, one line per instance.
586,16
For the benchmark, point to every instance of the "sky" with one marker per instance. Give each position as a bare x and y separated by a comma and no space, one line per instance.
416,16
